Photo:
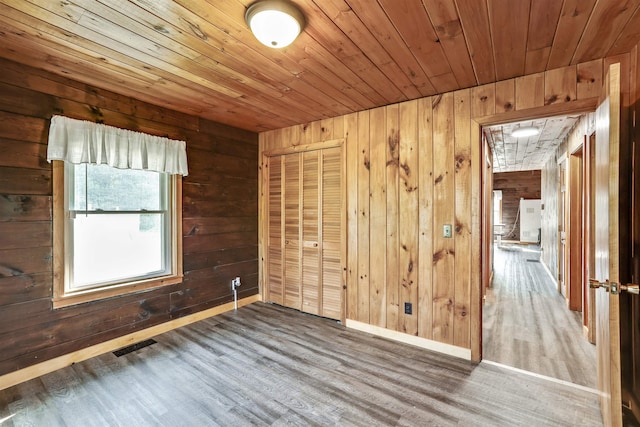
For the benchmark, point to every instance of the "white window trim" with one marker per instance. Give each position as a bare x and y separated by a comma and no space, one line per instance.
64,299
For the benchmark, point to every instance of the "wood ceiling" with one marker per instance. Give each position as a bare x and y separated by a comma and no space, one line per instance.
199,57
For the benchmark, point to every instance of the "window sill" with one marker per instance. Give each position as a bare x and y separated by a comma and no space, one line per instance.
128,288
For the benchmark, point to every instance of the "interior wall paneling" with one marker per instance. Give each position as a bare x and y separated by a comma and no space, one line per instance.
550,176
408,210
391,159
425,203
364,296
383,160
352,157
462,219
219,224
378,203
443,214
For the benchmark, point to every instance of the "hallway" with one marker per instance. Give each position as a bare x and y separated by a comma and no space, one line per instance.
527,325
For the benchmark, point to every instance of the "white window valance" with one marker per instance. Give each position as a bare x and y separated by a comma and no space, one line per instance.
80,141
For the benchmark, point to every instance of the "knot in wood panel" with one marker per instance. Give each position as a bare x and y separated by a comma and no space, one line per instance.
407,170
394,142
441,254
462,159
450,29
197,31
7,271
161,29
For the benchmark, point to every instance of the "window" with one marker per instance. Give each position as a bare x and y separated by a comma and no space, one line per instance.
117,230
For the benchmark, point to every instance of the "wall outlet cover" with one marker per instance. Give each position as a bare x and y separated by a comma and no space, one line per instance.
408,308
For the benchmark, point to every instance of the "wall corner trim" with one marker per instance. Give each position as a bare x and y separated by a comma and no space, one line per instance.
451,350
60,362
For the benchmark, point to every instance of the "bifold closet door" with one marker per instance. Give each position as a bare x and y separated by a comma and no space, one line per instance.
332,221
305,222
274,291
292,214
311,266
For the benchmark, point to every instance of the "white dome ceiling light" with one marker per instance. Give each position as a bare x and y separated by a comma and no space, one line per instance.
275,23
525,131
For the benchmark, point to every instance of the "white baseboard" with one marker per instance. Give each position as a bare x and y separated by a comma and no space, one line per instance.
451,350
60,362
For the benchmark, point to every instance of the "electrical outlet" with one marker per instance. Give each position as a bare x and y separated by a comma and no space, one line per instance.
447,231
408,308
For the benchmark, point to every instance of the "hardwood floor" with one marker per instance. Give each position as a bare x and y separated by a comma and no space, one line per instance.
267,365
526,322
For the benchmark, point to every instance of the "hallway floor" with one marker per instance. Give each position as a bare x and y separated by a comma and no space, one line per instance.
526,322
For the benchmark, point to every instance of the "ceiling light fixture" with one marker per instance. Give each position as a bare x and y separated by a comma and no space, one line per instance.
275,23
525,131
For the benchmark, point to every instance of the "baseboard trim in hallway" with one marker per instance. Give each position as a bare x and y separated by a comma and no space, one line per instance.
542,377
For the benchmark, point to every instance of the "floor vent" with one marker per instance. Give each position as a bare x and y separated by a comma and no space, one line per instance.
533,260
134,347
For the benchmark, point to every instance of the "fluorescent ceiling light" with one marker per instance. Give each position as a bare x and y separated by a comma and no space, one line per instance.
525,131
275,23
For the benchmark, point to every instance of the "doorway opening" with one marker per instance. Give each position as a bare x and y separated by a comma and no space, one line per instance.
536,307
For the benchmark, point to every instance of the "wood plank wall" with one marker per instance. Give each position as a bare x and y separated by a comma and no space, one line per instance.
219,218
412,166
550,179
515,186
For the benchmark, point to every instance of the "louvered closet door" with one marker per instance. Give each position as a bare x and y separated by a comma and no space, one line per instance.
274,274
311,268
331,220
292,248
304,200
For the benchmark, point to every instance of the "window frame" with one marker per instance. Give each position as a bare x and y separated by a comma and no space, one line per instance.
64,298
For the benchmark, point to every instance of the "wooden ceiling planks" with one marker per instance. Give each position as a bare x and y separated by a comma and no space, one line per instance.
542,28
474,18
445,19
509,17
385,24
200,58
612,14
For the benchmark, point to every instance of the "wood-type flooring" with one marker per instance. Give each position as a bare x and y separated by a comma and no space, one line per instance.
272,366
526,322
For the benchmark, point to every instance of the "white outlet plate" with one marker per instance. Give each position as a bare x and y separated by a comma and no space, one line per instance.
447,231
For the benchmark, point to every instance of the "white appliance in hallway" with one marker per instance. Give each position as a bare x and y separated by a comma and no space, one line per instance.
530,220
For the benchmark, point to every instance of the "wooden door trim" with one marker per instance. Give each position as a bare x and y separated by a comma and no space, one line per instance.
586,105
575,234
565,108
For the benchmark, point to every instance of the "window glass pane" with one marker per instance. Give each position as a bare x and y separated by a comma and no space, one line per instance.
100,187
112,247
